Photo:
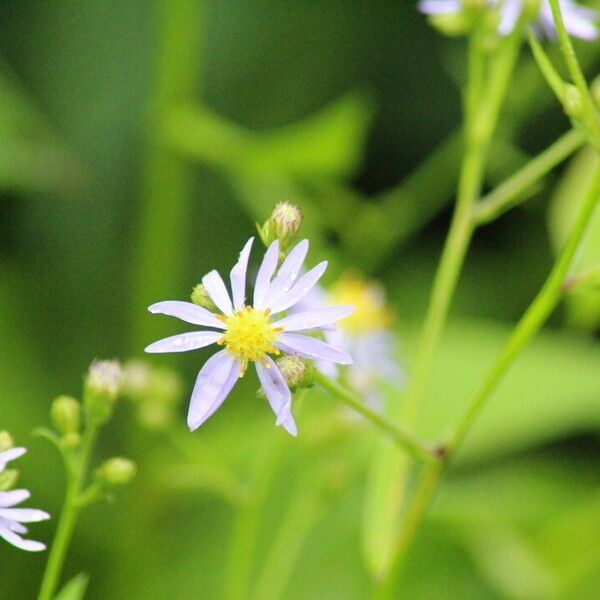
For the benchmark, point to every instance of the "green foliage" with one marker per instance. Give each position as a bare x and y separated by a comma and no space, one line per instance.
74,589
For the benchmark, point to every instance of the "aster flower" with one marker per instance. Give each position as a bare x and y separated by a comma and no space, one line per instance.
365,335
12,519
579,20
251,333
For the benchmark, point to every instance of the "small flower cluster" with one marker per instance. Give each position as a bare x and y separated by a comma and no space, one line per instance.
579,20
11,518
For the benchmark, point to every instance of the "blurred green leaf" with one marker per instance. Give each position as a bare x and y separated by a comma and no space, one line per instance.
327,144
74,589
552,390
583,307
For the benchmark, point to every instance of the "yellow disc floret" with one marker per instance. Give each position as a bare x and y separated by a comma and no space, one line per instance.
368,298
249,335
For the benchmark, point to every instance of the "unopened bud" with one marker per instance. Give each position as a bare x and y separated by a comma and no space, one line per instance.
201,298
283,225
103,384
297,372
116,471
572,101
70,441
8,479
156,392
6,441
66,414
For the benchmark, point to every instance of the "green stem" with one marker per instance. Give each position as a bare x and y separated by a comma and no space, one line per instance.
589,116
404,439
478,132
512,191
76,476
537,314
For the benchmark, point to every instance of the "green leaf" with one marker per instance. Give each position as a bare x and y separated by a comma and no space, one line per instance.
551,391
74,589
583,307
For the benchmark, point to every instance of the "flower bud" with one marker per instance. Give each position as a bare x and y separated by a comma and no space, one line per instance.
116,471
297,372
66,414
71,440
572,101
103,384
8,478
283,225
201,298
156,392
6,441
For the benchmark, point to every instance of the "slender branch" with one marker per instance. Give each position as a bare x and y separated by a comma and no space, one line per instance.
537,314
511,192
404,439
76,476
589,116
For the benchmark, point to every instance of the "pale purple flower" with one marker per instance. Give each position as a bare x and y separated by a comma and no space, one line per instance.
250,333
12,519
579,20
372,346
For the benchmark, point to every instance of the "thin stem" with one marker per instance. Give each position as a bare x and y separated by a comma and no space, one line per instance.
404,439
511,192
528,326
478,133
589,116
76,476
553,79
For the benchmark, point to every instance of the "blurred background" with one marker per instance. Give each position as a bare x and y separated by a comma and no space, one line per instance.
139,144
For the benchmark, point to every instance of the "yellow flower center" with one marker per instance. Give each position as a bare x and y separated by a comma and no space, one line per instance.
249,335
368,299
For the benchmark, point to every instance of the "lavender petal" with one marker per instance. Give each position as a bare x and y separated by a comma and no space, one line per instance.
302,287
215,287
214,382
184,342
278,393
238,276
188,312
313,348
311,319
265,272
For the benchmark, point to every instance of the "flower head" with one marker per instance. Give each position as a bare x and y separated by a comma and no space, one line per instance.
12,519
365,334
252,333
579,20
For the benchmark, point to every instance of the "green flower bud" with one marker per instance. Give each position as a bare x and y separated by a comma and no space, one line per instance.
297,372
66,414
116,471
71,440
6,441
201,298
8,479
103,384
283,225
156,392
572,101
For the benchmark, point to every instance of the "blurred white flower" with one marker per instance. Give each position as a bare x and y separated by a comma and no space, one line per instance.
579,20
365,335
